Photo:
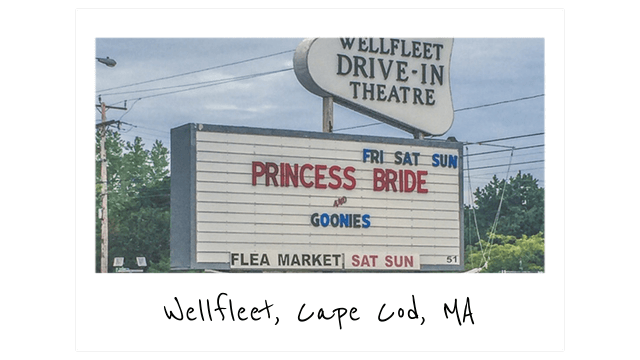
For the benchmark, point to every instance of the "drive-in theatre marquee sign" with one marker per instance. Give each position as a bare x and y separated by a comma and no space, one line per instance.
249,199
402,82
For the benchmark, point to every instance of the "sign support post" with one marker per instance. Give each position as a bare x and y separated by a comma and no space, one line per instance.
327,114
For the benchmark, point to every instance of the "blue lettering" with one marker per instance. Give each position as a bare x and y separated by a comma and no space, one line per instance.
407,159
453,161
445,160
365,221
337,220
345,220
365,154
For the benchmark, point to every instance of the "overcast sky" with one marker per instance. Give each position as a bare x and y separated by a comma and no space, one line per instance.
483,72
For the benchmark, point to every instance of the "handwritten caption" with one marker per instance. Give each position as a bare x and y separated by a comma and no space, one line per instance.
223,310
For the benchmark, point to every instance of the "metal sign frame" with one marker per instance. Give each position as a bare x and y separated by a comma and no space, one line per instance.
184,216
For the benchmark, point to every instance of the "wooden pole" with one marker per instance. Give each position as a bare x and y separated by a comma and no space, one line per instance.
327,114
104,247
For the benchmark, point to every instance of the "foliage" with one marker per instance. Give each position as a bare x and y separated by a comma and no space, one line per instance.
521,213
517,243
524,254
138,201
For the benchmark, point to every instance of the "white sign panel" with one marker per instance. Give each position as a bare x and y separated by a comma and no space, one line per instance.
263,199
402,82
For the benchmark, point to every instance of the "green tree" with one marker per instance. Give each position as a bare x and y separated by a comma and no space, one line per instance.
524,254
521,212
138,202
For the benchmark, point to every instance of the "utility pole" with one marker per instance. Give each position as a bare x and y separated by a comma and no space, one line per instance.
104,246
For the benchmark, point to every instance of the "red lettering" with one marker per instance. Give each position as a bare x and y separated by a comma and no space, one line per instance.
379,179
335,177
302,179
347,170
398,261
255,173
365,260
407,175
293,174
272,172
407,180
320,176
391,180
408,261
355,260
422,181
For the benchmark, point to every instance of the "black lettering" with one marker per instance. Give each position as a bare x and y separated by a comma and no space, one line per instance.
340,58
436,74
398,156
394,93
404,90
382,51
380,313
402,70
448,311
417,96
438,47
355,88
381,95
371,47
385,72
300,313
362,43
415,47
283,259
429,96
366,91
171,315
403,50
359,63
347,43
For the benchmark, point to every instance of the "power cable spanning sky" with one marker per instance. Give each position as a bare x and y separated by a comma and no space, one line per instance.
497,88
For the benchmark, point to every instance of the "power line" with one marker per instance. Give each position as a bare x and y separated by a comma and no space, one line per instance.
497,151
501,139
456,110
197,71
208,84
500,102
492,166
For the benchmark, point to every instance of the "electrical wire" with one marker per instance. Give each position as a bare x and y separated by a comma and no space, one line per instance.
198,71
484,142
195,86
499,103
456,110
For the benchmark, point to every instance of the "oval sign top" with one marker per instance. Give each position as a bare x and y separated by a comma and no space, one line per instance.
402,82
